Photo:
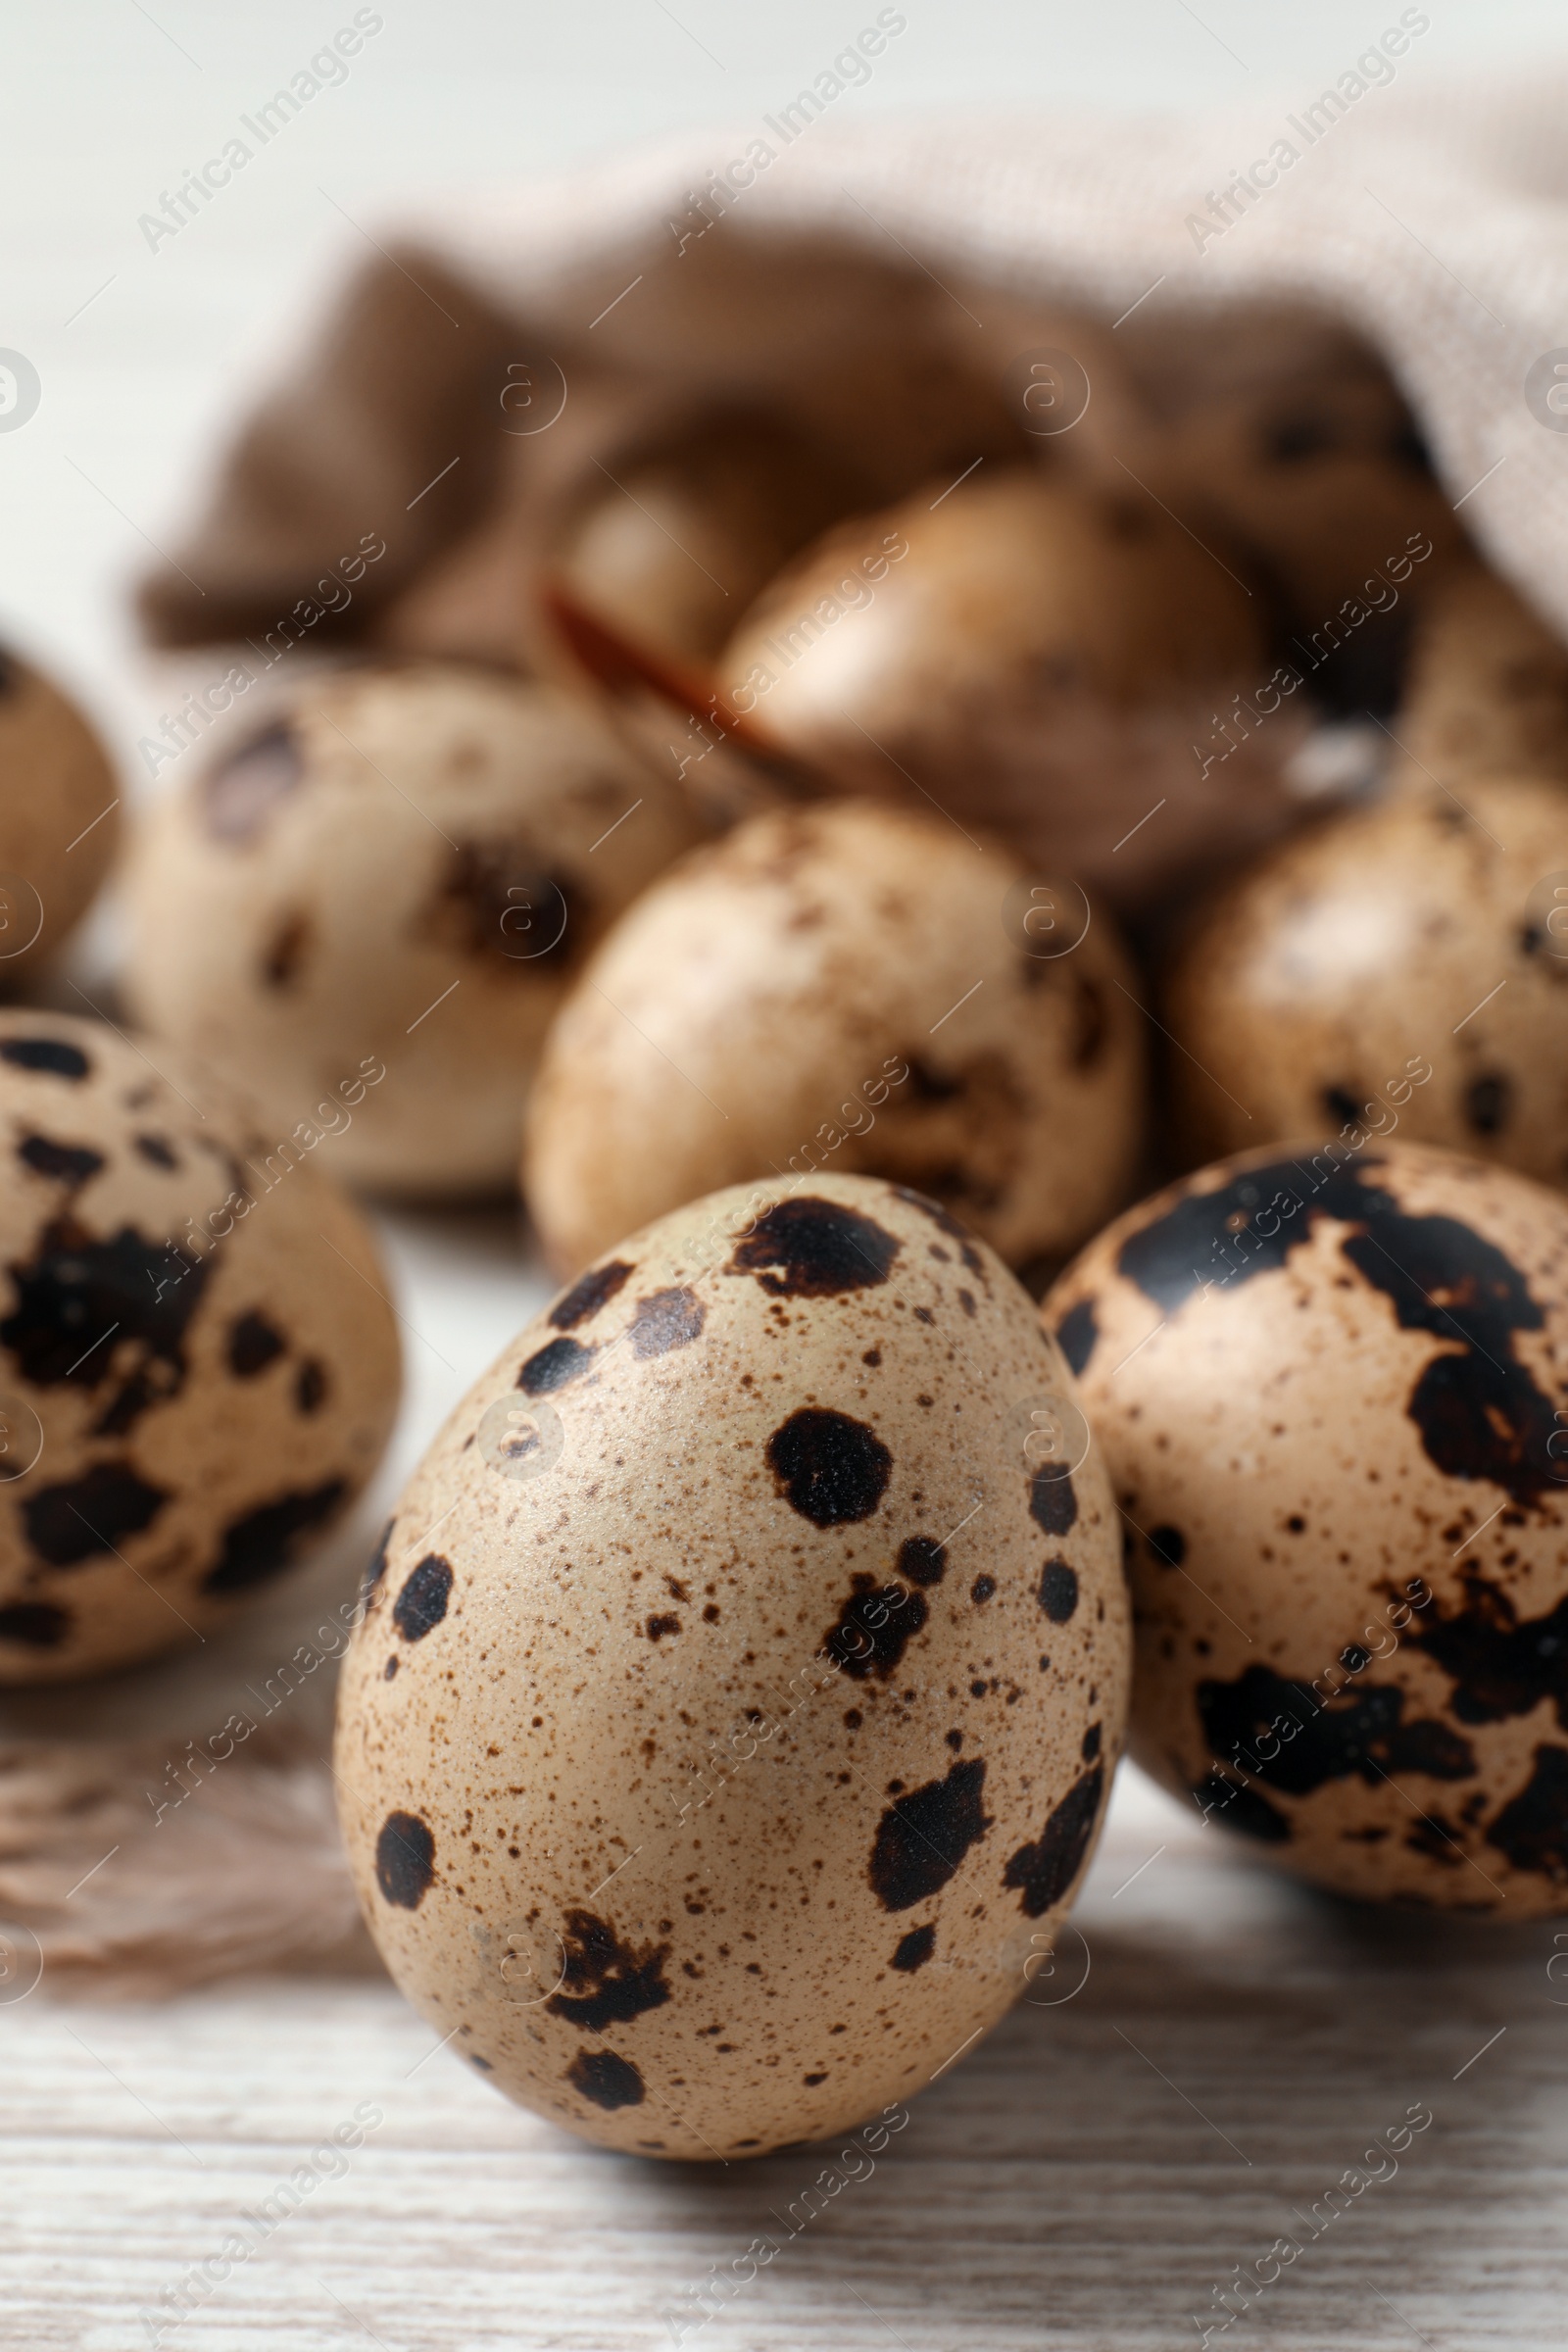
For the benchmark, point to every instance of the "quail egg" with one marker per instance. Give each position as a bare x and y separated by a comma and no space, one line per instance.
1331,1387
739,1683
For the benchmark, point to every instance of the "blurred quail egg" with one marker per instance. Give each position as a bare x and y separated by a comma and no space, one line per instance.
855,987
404,868
198,1365
59,819
1032,655
1402,967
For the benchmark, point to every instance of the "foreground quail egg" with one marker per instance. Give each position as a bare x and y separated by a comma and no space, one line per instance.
1332,1391
407,865
856,987
57,815
1400,967
198,1365
1038,657
742,1677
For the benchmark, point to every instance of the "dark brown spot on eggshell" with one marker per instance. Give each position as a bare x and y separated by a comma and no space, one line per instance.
1477,1407
54,1056
1077,1333
309,1387
34,1624
404,1860
922,1561
421,1604
832,1469
607,2079
553,1366
664,1321
62,1163
494,901
1059,1591
874,1628
93,1514
1168,1546
261,1543
1279,1732
914,1950
605,1981
1500,1664
157,1151
588,1294
1052,1503
1532,1828
285,951
1044,1871
95,1311
807,1248
253,1344
922,1839
1488,1102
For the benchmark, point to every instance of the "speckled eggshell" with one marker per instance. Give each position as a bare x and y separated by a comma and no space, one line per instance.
1332,1391
58,818
404,866
198,1365
1396,969
855,987
712,1787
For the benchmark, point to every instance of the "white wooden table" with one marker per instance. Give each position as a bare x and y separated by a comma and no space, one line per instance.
1216,2049
1090,2174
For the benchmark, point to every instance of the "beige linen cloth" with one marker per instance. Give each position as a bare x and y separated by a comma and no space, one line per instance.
475,358
484,352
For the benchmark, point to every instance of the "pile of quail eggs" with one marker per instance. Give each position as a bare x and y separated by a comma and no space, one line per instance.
838,904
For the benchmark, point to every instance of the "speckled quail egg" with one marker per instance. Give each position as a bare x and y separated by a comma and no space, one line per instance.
741,1677
1332,1391
1307,460
1033,656
851,986
1485,693
677,534
198,1364
58,818
1397,969
404,866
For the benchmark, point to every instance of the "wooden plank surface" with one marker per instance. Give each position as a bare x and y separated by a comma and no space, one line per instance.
1215,2050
